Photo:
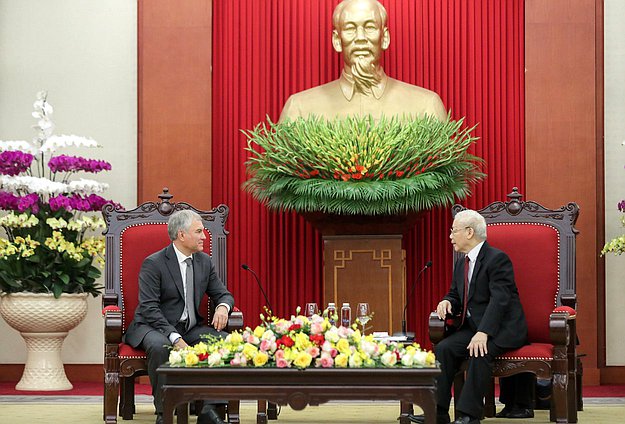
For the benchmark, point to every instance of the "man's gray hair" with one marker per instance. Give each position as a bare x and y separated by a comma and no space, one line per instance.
338,11
473,219
181,221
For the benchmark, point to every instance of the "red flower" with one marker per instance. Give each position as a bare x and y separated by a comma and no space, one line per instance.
295,327
314,172
317,339
285,341
399,173
345,177
202,356
357,176
360,168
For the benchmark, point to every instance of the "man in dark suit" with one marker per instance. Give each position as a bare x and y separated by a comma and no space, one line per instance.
491,318
172,282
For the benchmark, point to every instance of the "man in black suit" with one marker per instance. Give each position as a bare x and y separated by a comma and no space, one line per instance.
172,282
491,318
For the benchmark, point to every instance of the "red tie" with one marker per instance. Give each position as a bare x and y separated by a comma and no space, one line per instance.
466,289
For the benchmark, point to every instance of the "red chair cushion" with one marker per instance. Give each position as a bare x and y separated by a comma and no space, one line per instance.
127,351
530,351
533,249
110,308
137,243
572,312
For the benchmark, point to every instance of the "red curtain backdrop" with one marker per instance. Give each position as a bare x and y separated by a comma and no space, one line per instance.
471,52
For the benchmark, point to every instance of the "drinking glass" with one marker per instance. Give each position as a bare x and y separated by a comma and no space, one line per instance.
363,314
311,309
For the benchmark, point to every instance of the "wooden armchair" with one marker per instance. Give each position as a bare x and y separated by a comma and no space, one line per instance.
541,245
130,237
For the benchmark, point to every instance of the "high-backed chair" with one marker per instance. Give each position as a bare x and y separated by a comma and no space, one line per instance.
541,245
130,237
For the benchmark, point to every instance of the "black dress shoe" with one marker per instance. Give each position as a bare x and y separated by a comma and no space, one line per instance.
520,413
466,420
209,416
159,419
420,419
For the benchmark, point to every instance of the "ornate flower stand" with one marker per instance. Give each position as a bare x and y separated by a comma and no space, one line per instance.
43,322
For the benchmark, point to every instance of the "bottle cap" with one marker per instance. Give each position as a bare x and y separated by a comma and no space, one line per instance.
345,304
331,304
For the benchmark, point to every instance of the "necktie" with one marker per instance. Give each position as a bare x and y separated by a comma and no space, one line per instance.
188,301
466,289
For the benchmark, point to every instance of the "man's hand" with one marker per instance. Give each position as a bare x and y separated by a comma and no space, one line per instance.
180,344
220,319
478,344
443,308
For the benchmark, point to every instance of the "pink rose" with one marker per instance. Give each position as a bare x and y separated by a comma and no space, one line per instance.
326,361
282,363
313,351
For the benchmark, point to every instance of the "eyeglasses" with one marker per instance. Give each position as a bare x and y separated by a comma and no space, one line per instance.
453,230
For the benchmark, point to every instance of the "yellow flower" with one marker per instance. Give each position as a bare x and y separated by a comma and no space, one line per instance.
235,338
56,224
430,359
355,360
343,347
191,359
302,360
258,331
341,360
200,348
249,350
302,341
260,359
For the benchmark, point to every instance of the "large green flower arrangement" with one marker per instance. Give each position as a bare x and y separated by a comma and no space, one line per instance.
301,342
360,166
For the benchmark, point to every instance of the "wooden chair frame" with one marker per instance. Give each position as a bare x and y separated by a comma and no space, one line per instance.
120,371
562,367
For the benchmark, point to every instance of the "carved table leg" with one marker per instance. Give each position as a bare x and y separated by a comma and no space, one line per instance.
261,415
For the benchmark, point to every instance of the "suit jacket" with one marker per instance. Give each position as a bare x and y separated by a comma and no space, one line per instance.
493,300
161,293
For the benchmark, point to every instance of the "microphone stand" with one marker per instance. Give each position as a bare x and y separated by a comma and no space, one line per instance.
267,304
410,335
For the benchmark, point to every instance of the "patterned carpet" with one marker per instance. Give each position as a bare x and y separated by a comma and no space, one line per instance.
88,409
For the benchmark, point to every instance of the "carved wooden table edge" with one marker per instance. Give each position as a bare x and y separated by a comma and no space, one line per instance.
299,388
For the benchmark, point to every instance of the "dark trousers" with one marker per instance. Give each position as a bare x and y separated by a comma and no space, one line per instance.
451,352
156,345
517,390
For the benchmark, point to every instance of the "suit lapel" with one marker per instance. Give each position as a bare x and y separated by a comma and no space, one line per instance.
174,269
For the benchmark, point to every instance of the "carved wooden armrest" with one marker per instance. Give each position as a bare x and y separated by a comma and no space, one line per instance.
112,325
559,329
436,327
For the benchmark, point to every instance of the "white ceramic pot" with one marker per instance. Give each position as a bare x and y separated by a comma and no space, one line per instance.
43,322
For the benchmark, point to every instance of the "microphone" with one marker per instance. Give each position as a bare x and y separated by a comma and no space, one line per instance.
411,335
247,268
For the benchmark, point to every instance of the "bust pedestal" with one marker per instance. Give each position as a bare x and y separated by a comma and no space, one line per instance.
363,261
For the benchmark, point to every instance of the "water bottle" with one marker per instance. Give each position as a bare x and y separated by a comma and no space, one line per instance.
331,312
346,315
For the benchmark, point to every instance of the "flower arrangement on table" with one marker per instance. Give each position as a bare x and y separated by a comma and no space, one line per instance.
300,342
359,166
48,245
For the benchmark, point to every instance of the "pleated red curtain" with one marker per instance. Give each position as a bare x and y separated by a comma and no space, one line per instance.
469,51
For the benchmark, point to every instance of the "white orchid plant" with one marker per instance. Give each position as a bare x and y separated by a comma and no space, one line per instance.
49,221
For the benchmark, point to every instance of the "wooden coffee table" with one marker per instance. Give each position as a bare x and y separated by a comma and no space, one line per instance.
299,388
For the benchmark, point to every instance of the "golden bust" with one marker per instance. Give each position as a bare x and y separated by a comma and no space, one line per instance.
361,35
